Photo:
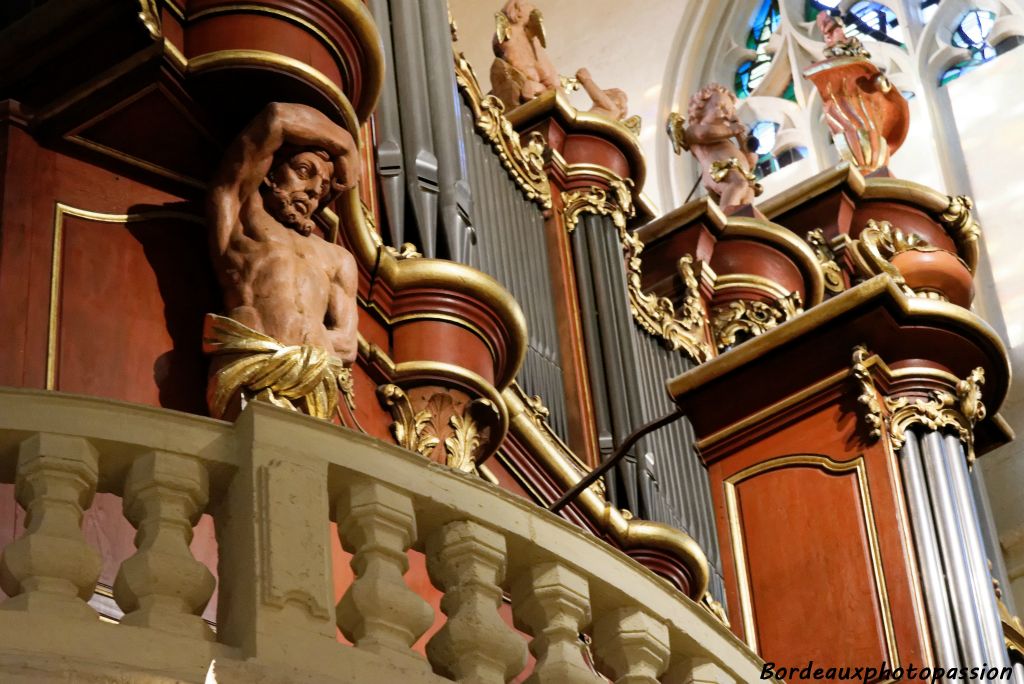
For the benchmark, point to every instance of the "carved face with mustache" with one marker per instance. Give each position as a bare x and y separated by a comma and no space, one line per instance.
296,186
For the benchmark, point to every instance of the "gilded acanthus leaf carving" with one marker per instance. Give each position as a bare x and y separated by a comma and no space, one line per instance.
742,319
463,444
941,410
411,429
524,162
957,219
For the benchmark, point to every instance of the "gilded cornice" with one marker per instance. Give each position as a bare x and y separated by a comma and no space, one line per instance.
952,213
353,14
878,291
724,227
506,324
556,103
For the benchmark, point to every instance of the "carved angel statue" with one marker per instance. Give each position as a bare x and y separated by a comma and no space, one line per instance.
836,42
522,69
714,135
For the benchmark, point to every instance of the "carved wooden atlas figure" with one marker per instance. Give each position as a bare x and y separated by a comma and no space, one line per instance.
290,330
719,142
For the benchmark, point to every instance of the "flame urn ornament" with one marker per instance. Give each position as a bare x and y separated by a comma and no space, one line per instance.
867,116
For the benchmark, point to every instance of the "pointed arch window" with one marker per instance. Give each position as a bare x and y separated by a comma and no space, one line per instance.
928,8
765,22
971,33
866,20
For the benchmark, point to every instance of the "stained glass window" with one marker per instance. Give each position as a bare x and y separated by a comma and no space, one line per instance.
752,72
971,33
928,8
765,132
866,20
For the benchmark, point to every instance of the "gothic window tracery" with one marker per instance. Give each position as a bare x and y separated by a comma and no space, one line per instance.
751,72
972,34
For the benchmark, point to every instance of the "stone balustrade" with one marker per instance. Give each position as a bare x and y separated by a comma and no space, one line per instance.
273,482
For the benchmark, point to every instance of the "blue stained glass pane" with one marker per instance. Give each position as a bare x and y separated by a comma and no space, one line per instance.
765,22
928,8
971,33
765,132
868,20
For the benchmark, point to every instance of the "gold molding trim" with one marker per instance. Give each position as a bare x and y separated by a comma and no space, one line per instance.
264,59
525,163
827,258
355,16
880,291
748,318
859,467
656,315
406,274
749,281
57,262
953,213
555,103
565,467
284,14
137,162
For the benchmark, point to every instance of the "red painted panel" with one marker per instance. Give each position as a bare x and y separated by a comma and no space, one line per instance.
809,525
132,302
429,340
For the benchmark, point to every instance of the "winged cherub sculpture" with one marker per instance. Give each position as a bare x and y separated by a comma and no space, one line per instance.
522,69
714,135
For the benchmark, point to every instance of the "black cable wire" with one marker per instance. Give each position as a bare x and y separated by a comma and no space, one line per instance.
616,456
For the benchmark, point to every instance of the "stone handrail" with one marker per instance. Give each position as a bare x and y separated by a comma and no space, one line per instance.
273,482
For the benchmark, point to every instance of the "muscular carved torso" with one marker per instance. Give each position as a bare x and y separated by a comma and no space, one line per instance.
280,282
278,277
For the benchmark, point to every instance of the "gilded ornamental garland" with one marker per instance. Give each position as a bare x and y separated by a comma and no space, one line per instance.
683,329
741,319
827,258
941,410
525,162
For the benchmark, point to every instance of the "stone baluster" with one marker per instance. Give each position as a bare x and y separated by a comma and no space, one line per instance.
379,612
51,569
163,586
475,645
696,670
632,646
552,603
